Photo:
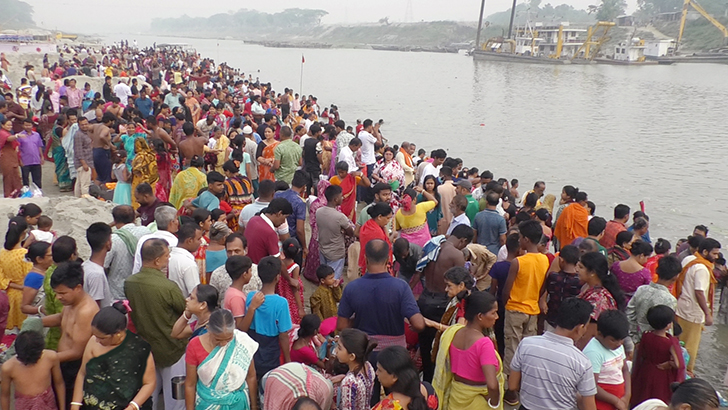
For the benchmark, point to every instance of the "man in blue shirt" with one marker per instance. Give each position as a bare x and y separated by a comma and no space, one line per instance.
297,220
144,104
378,304
490,228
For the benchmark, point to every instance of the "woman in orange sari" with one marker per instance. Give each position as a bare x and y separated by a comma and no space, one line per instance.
348,183
265,154
375,228
573,222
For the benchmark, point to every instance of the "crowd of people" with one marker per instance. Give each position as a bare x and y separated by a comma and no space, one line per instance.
438,285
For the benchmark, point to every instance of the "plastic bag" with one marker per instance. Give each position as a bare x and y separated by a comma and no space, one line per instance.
31,191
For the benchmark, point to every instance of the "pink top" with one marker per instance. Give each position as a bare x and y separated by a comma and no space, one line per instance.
629,282
234,302
305,355
469,363
196,353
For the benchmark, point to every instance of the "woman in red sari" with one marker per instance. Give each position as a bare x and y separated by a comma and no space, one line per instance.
9,160
375,228
348,183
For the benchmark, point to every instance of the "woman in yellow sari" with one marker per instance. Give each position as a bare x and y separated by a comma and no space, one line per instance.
469,371
143,167
13,268
188,183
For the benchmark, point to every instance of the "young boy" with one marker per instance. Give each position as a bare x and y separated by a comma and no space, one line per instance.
268,319
328,294
521,294
606,353
43,233
31,372
239,269
215,186
561,285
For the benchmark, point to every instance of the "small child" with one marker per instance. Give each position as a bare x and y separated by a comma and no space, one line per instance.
270,319
218,215
355,389
291,285
302,350
122,191
658,361
677,331
606,353
327,295
43,233
32,372
239,269
561,285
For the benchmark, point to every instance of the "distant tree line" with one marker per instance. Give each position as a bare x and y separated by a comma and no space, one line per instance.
243,20
15,14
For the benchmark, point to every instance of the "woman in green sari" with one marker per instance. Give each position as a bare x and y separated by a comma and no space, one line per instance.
220,370
117,371
59,155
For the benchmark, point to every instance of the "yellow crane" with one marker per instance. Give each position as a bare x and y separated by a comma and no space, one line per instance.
596,37
705,14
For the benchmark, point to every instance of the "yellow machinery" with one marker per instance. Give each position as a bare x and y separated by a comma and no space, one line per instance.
499,43
705,14
596,37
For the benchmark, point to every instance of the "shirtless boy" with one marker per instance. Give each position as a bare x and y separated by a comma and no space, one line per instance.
31,372
79,310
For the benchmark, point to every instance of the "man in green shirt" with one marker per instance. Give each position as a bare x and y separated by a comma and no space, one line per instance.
156,304
463,187
287,156
382,193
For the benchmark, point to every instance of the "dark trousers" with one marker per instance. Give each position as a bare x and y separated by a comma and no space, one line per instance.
365,194
69,371
500,337
312,183
432,306
102,163
35,171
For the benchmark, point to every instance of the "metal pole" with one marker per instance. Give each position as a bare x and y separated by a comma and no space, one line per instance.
480,25
300,89
513,15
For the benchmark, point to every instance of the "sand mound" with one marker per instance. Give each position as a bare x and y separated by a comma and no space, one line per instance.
71,216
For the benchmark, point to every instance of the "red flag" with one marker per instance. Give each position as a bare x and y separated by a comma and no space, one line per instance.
303,59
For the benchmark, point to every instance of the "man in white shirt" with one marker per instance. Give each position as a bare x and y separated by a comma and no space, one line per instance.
348,154
343,138
167,225
255,107
433,168
183,269
369,136
458,206
266,192
120,260
122,92
404,158
693,308
95,283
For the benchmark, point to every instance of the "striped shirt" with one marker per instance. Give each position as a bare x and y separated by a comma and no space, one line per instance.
553,371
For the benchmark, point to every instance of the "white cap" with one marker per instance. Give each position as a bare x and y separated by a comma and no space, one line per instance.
247,130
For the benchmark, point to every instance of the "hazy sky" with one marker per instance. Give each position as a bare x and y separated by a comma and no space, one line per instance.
132,16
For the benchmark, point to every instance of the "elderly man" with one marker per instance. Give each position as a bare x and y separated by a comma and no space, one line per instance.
167,227
404,157
120,260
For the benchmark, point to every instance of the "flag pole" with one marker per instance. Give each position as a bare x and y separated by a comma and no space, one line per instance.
300,89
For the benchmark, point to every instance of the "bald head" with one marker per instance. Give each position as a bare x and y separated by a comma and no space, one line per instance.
377,252
153,249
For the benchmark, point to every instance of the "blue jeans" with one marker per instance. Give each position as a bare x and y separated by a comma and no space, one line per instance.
337,266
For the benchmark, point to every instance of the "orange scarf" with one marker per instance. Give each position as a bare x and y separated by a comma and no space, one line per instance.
407,157
572,223
677,289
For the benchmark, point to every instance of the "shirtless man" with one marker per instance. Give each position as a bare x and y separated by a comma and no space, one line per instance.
434,298
115,107
160,134
79,310
101,137
191,145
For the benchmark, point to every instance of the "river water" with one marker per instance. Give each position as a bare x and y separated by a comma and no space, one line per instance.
622,134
